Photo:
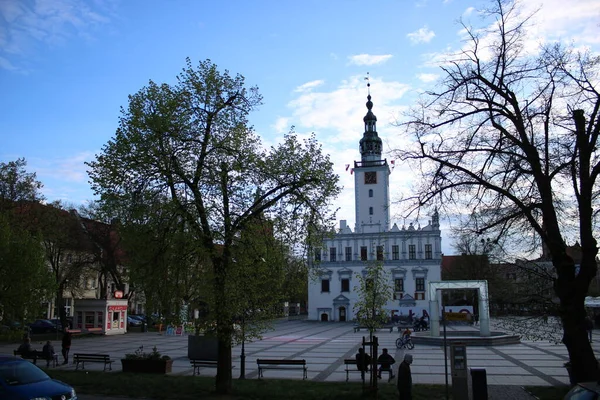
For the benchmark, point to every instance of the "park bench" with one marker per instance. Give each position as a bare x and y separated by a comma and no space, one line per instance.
350,364
197,364
390,327
99,358
74,332
97,331
281,364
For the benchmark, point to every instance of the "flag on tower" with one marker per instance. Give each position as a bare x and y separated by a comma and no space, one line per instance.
351,171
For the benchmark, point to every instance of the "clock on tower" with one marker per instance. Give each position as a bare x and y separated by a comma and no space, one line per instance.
370,178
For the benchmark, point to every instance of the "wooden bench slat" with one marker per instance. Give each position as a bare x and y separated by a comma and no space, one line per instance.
197,364
281,364
83,357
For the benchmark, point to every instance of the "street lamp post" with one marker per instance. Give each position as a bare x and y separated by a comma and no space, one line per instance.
243,355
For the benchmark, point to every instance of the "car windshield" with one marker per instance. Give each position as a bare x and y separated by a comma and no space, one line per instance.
580,393
21,373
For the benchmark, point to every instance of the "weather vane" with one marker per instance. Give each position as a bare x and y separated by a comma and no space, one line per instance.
368,83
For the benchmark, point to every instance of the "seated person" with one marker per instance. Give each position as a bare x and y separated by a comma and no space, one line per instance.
25,348
362,361
385,361
48,353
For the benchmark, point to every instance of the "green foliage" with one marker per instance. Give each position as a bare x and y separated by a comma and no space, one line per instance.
16,184
139,354
374,291
192,143
24,278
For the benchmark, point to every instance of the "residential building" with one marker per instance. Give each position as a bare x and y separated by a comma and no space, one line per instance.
411,256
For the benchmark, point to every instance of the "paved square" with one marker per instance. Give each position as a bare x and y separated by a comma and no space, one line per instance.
325,345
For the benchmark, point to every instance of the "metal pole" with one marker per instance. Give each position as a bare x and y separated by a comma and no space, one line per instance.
445,352
243,355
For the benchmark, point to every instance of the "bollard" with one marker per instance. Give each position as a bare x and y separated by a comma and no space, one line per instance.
479,383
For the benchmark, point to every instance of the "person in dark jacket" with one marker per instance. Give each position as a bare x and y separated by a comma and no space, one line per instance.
405,378
362,361
48,353
25,348
385,361
66,346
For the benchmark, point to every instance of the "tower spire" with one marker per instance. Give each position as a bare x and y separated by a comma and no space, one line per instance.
370,144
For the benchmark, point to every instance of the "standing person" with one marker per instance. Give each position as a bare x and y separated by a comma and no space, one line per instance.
386,361
589,326
66,346
405,378
48,352
363,360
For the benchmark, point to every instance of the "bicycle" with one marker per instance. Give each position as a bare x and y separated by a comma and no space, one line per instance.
402,343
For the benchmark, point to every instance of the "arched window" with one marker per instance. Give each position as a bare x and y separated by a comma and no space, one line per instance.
370,192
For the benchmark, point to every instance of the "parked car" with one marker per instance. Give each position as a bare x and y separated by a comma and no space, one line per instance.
133,321
139,317
22,380
584,391
43,326
58,324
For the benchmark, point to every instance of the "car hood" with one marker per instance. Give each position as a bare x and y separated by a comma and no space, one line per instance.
49,388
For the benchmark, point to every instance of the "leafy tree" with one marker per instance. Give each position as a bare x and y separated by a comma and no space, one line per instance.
16,184
374,290
191,142
69,252
258,278
24,277
23,274
514,137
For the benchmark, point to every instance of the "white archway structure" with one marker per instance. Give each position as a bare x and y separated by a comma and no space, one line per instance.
434,309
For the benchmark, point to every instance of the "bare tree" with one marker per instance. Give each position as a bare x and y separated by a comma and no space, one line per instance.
513,136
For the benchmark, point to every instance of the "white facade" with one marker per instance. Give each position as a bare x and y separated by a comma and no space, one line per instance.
411,255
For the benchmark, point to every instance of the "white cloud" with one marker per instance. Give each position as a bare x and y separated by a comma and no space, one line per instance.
427,77
308,86
369,59
335,117
31,24
468,11
422,35
282,125
5,64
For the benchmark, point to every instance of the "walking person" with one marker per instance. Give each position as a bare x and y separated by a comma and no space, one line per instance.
66,346
405,378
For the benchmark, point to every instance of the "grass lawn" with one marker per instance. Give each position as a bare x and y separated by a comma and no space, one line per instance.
195,387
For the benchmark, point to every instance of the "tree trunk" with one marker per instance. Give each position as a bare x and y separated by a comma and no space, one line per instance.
572,312
583,362
224,367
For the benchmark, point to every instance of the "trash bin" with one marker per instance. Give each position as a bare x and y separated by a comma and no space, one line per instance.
144,327
479,383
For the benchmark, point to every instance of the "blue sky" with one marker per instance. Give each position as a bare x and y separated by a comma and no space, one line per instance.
67,66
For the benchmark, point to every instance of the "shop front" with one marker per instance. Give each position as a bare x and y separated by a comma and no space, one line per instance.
108,317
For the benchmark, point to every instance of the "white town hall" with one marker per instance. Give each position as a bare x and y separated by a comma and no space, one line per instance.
411,256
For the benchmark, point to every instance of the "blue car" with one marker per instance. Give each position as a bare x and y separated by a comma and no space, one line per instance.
21,380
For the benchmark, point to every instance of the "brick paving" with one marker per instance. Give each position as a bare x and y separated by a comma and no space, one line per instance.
326,345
